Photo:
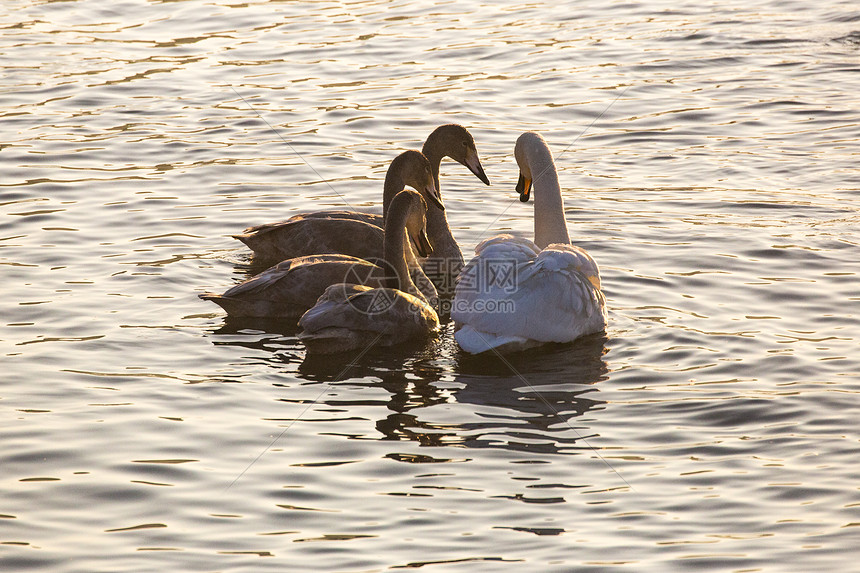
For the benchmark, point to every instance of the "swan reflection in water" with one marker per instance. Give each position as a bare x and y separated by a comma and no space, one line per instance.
527,401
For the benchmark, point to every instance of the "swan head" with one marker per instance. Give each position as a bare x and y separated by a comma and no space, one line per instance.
415,208
457,143
415,171
530,149
416,225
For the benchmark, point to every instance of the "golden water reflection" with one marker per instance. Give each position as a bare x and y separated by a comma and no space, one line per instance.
528,401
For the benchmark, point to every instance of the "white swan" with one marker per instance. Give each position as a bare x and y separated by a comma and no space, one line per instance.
347,232
516,294
291,287
349,317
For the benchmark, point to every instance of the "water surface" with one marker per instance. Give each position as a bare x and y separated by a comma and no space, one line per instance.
708,154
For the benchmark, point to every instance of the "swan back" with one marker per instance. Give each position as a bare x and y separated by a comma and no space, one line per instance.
291,287
347,317
514,292
303,236
350,317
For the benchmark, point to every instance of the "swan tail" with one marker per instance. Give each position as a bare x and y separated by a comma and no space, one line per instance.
239,307
232,306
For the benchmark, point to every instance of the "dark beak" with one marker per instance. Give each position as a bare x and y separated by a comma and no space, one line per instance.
474,165
433,195
524,186
422,244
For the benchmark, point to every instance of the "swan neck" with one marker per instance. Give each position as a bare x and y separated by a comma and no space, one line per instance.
439,234
394,251
393,185
438,229
434,153
550,225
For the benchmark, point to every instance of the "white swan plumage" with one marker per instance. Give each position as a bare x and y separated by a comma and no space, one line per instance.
515,293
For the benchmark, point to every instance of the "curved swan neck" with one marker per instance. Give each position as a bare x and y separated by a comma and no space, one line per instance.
393,185
394,251
434,150
550,225
438,231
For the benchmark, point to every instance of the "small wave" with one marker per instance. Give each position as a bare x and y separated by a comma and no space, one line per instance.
852,39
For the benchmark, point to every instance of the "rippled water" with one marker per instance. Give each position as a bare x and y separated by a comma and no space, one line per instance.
708,153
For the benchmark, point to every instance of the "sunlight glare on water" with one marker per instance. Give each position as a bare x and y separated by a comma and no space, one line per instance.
708,157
